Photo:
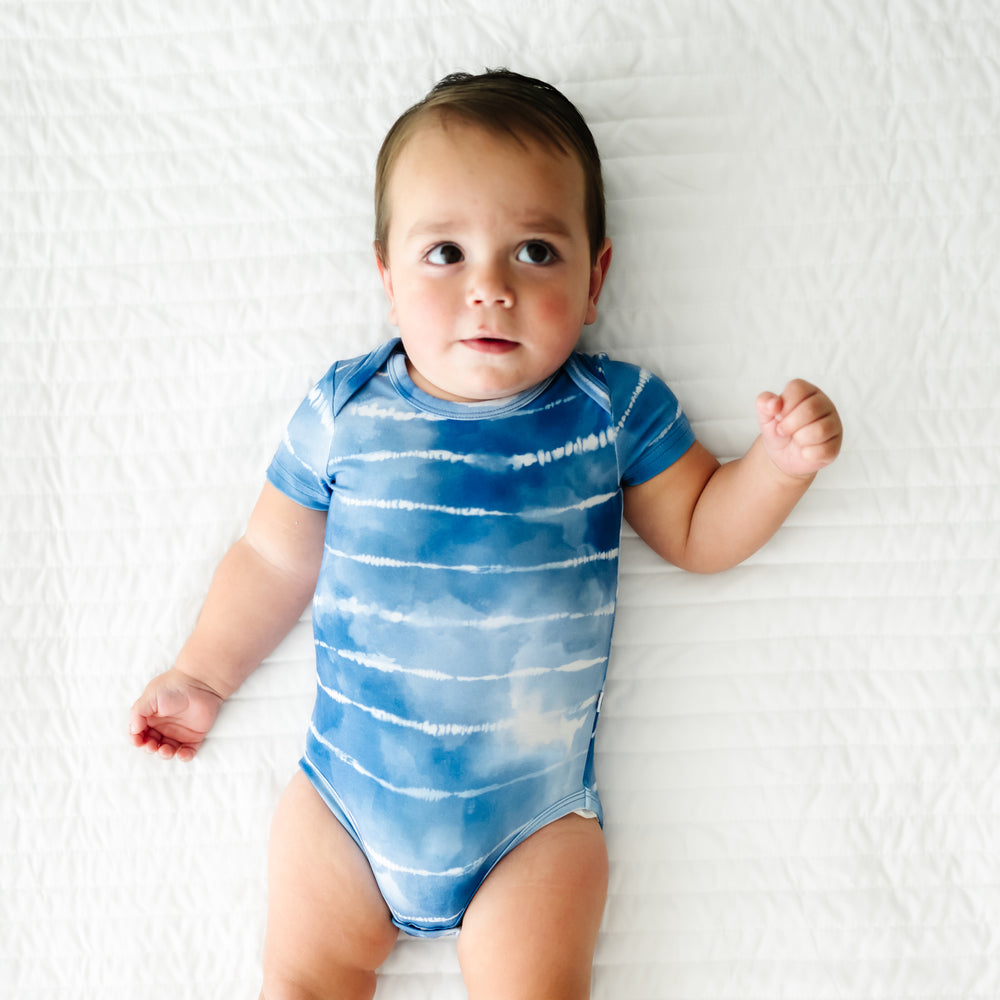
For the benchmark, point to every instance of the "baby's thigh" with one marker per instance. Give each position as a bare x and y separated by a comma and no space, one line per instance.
328,927
532,928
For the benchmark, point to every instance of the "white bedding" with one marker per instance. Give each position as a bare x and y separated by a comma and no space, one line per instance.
799,759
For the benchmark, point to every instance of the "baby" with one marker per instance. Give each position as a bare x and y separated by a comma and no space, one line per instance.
451,503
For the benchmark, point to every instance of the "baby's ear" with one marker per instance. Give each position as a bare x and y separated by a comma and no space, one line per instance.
386,275
597,275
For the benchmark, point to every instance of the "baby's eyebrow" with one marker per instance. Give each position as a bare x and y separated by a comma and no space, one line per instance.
546,225
536,225
431,227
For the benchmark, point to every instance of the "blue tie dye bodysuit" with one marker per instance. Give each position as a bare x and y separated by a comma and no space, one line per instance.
464,608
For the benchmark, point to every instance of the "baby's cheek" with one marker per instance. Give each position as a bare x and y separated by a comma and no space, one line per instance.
556,307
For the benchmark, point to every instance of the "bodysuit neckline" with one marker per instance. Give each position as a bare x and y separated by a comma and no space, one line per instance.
488,410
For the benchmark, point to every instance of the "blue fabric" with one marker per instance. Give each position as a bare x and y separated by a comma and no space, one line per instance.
464,609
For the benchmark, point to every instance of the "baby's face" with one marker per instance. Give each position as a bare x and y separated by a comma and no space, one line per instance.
488,266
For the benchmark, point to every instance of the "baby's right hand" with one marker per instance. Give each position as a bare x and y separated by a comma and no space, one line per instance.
173,715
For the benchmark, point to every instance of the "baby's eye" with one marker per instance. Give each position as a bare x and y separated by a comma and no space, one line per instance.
443,254
536,252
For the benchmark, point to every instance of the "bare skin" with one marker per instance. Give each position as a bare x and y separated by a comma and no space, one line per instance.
328,928
532,928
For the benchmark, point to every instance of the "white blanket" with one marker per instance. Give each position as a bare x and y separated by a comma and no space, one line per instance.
799,759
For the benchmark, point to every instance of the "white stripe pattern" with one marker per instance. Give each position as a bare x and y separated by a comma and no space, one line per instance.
446,729
353,607
435,794
531,514
385,562
388,666
580,446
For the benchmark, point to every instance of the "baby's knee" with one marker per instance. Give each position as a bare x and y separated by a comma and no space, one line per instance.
339,963
343,984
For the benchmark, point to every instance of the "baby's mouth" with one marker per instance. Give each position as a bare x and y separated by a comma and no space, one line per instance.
490,345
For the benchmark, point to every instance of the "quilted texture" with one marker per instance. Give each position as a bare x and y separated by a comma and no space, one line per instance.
799,758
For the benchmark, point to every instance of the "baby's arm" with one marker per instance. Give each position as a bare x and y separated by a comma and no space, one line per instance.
706,517
259,591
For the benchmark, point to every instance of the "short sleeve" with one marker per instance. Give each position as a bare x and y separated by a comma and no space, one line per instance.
651,429
299,468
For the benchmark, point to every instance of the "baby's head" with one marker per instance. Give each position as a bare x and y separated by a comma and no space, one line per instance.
490,234
507,104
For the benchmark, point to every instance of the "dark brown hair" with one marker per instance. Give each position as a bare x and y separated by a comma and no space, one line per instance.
508,103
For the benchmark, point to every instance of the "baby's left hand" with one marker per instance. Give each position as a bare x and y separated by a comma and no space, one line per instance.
801,428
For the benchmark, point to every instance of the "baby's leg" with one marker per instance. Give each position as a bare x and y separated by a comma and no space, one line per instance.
328,927
531,930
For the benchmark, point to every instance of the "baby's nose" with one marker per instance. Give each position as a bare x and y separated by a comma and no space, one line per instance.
489,286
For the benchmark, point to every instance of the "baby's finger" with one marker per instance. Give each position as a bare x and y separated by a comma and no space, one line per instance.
804,404
795,393
169,749
821,455
148,741
768,406
816,432
138,722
